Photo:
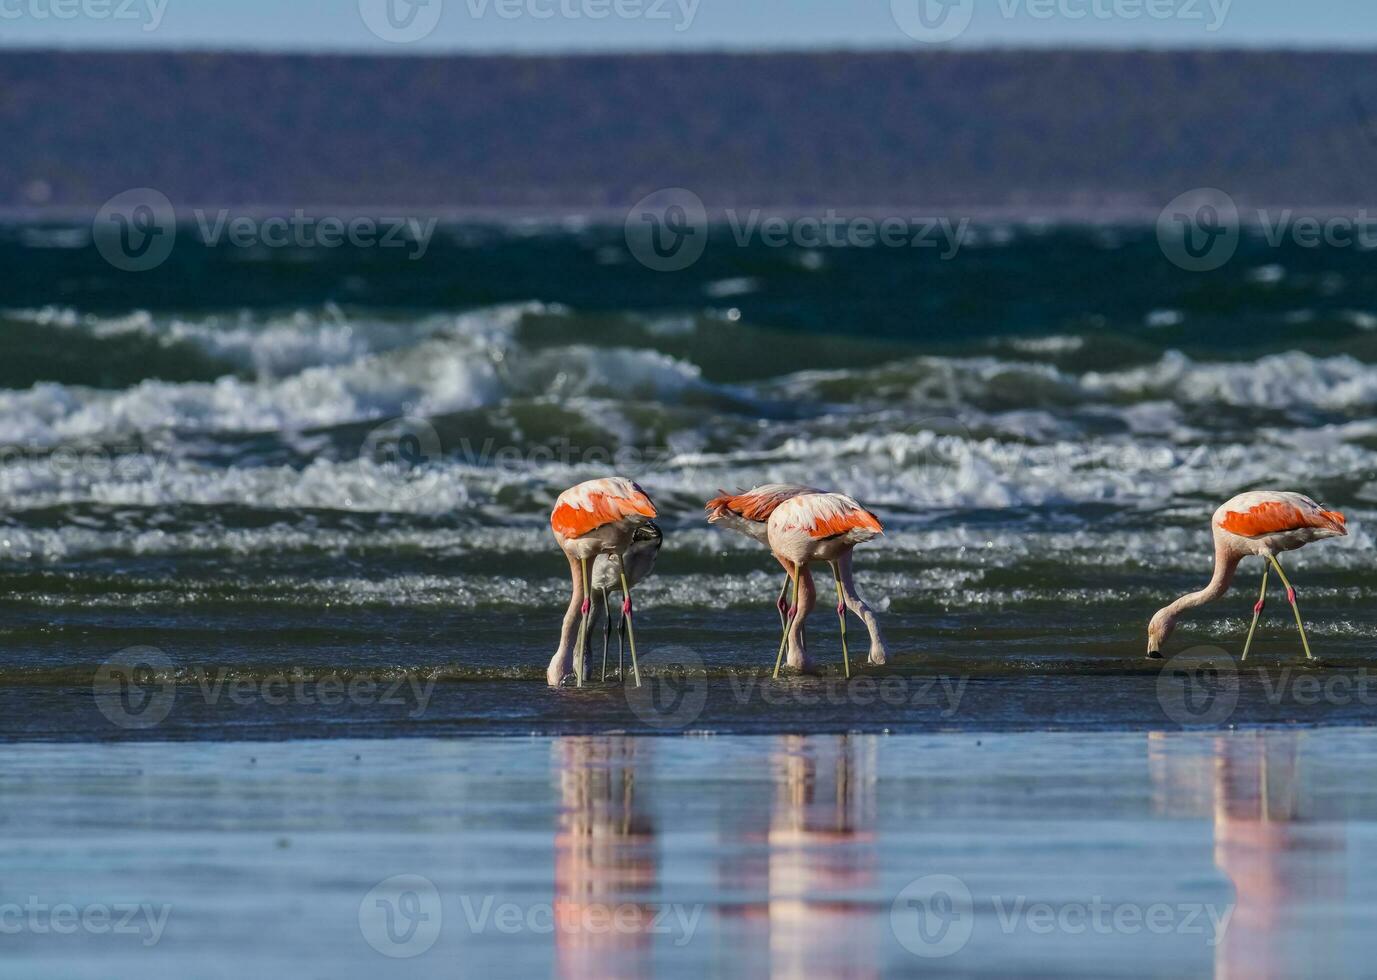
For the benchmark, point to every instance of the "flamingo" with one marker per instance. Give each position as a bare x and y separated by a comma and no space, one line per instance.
639,562
597,517
1261,523
824,527
749,514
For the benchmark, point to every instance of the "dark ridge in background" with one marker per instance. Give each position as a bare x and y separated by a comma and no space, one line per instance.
1058,129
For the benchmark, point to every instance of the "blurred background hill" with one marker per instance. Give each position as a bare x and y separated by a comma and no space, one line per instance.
1058,129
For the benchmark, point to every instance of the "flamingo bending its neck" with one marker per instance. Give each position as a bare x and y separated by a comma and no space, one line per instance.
1262,523
749,513
598,517
824,527
639,562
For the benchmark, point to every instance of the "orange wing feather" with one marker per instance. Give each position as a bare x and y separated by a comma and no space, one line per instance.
824,515
573,522
754,505
1275,517
827,526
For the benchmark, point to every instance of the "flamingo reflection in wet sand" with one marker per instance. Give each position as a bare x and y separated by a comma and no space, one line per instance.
1262,523
598,517
824,527
749,513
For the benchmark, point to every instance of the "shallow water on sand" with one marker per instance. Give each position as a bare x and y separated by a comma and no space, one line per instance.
1130,854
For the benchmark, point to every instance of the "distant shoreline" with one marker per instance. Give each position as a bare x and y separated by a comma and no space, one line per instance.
1065,135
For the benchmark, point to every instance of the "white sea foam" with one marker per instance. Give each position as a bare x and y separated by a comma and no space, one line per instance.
332,374
277,345
1290,380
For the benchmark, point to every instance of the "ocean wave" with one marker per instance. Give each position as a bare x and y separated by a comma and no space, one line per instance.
333,375
1291,380
901,472
276,345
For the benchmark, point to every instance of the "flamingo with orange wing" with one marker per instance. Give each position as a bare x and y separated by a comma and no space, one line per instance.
598,517
1262,523
824,527
749,513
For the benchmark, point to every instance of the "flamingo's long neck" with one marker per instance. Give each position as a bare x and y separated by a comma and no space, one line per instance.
1225,564
563,661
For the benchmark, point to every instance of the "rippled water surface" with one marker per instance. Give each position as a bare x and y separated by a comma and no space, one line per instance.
1133,854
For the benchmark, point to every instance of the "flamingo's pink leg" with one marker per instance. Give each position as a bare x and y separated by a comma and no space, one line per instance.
630,626
1257,611
580,666
1291,597
788,621
606,634
841,617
